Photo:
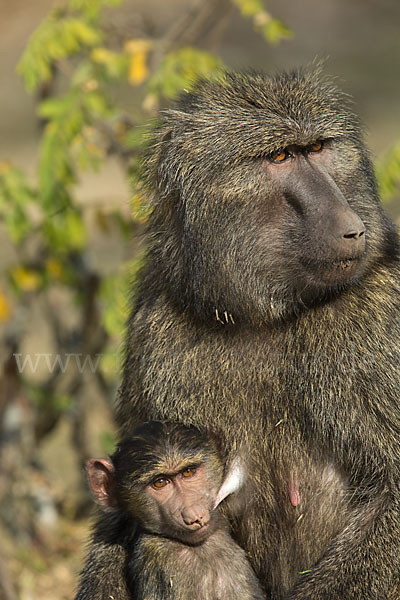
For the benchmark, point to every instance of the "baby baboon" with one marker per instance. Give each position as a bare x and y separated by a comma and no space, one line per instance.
167,477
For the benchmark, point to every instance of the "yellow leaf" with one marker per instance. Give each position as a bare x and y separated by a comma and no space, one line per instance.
138,69
5,308
140,211
26,279
101,55
102,221
54,268
262,18
150,103
4,167
91,85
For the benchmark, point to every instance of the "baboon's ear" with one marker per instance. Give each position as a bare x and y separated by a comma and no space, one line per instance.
102,482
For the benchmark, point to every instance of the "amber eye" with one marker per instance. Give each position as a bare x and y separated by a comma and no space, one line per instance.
160,483
280,156
316,147
189,472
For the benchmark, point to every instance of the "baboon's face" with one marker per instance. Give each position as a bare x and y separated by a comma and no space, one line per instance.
322,238
179,505
275,201
167,476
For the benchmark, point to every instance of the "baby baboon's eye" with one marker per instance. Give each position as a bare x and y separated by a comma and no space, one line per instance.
315,147
189,472
160,483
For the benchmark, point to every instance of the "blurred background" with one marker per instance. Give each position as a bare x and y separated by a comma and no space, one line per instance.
80,82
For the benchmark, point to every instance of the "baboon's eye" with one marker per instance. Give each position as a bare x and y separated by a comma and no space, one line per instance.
160,483
189,472
315,147
280,156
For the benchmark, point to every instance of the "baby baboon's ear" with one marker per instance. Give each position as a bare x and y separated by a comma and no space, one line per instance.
102,482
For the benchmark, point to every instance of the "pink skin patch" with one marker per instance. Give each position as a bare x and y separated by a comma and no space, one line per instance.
294,492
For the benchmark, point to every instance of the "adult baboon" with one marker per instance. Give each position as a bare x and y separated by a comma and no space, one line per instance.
167,478
269,312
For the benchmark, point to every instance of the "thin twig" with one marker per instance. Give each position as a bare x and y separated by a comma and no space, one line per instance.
189,28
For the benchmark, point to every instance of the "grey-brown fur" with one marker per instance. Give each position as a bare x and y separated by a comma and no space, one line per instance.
156,555
166,568
216,570
104,574
222,336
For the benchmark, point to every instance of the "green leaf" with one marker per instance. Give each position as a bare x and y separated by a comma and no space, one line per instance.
56,171
75,230
180,70
44,400
137,137
139,200
271,29
388,173
114,65
65,231
92,9
56,38
68,141
249,8
95,105
275,31
108,442
15,198
115,295
111,361
56,108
